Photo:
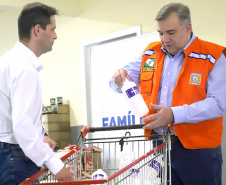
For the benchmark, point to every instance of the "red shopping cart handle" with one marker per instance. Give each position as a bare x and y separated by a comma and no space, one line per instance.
84,132
41,172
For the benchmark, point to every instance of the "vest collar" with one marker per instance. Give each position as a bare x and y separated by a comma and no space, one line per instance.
185,49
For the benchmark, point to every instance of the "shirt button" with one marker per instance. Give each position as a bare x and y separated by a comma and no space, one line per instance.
171,59
168,73
164,87
161,101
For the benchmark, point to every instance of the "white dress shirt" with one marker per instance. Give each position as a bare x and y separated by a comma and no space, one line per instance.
21,106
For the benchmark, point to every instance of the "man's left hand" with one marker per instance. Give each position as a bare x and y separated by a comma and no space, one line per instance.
162,117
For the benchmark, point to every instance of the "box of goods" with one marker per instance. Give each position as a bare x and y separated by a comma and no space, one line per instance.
60,109
57,126
48,118
91,160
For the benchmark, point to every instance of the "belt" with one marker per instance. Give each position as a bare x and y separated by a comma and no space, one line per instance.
172,137
4,145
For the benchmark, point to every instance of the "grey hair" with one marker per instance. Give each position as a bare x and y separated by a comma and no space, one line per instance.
180,9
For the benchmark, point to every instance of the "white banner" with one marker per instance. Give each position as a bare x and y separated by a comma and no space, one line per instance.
108,107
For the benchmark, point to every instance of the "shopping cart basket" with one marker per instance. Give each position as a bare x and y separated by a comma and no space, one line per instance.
152,165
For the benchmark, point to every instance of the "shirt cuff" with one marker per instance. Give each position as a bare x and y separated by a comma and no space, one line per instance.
114,87
179,114
55,164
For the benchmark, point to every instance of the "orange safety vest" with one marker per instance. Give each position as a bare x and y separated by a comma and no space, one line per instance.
200,58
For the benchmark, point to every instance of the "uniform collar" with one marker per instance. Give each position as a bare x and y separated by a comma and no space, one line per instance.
193,37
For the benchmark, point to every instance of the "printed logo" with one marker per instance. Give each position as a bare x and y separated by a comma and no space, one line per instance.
155,165
132,92
195,78
98,177
150,62
149,65
134,172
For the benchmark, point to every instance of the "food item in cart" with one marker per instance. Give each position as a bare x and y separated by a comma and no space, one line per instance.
91,157
88,149
127,156
99,174
89,162
96,149
71,167
71,147
93,149
87,174
154,168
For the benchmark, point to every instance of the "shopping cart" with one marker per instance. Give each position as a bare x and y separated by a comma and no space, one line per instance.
150,162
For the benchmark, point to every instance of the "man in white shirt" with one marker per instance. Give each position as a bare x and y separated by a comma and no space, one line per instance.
23,148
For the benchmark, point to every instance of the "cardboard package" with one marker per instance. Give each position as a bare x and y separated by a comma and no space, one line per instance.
91,161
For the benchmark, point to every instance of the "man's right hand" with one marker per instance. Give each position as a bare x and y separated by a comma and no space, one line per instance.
64,175
120,77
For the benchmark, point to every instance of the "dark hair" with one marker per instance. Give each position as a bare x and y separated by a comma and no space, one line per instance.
33,14
182,11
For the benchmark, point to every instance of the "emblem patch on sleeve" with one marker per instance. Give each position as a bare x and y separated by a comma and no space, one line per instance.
149,65
195,78
150,62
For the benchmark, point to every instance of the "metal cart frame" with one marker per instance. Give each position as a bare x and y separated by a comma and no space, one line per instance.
115,175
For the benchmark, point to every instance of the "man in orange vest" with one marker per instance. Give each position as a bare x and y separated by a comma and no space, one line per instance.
181,80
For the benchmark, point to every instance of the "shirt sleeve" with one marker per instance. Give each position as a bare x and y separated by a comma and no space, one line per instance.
26,105
133,70
213,106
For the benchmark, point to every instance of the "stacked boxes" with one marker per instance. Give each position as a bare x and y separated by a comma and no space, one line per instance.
57,126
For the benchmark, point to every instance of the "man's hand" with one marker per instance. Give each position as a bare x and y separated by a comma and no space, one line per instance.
120,77
64,175
162,118
51,143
